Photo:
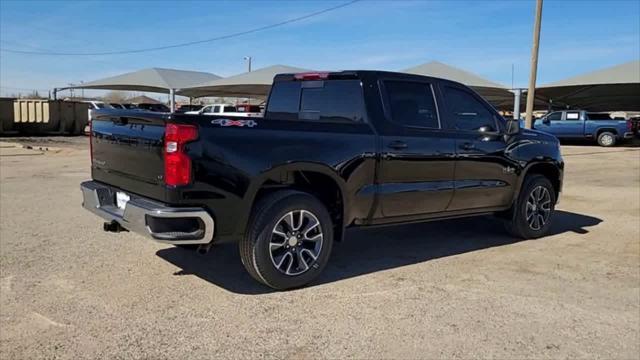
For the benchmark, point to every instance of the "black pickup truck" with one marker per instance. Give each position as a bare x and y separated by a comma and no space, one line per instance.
333,150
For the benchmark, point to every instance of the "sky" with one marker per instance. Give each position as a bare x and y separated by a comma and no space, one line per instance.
484,37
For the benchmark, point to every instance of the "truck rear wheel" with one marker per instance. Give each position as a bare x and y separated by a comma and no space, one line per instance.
606,139
530,217
288,241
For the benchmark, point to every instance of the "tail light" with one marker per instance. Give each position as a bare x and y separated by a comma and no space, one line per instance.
177,165
311,76
629,125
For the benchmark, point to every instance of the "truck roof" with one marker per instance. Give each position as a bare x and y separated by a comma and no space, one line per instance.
356,74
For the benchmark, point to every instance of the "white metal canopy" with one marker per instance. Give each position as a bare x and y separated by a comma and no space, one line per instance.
256,83
611,89
496,94
152,80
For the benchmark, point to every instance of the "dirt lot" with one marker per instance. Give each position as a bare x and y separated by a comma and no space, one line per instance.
454,289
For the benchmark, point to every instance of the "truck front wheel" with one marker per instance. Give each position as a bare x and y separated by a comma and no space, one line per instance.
530,216
288,241
606,139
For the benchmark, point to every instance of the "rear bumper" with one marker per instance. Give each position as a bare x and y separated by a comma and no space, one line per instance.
147,217
628,135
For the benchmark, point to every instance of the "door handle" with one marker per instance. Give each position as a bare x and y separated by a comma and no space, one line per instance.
398,145
468,146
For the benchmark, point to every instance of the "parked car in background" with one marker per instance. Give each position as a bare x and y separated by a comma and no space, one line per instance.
333,150
635,125
95,104
579,124
154,107
223,109
188,107
243,108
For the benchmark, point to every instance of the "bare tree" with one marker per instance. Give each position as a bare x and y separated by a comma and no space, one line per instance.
34,95
115,96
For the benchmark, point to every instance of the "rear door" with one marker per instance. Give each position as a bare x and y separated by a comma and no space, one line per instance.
484,174
571,125
417,156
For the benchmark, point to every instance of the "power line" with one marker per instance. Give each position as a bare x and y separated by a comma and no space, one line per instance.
222,37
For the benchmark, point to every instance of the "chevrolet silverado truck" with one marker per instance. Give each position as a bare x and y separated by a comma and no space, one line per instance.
579,124
332,151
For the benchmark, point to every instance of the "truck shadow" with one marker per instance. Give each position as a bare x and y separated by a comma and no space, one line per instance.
370,250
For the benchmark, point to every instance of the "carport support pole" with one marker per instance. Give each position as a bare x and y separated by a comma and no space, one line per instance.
534,65
516,103
172,99
55,93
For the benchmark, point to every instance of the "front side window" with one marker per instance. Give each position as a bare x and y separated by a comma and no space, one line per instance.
468,112
412,104
555,116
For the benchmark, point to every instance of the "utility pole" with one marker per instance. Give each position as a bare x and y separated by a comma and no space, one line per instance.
248,59
534,65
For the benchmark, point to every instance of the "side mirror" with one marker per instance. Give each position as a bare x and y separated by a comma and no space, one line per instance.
513,126
545,120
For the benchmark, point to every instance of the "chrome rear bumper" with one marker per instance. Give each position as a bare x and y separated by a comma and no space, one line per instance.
139,215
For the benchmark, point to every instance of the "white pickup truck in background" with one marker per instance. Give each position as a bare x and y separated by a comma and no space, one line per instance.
228,109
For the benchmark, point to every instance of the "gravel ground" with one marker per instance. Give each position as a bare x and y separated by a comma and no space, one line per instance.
453,289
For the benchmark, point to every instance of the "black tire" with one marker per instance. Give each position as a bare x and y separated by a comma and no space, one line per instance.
518,223
262,231
606,139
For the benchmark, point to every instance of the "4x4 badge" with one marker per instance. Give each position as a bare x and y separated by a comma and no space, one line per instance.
229,122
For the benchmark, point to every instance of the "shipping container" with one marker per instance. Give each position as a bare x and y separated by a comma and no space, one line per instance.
41,117
6,116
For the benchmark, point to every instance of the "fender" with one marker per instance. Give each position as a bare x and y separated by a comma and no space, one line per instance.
279,174
525,171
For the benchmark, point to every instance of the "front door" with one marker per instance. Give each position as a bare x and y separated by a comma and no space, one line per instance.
561,124
485,176
418,157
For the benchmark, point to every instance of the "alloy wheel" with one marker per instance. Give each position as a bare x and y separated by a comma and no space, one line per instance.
538,208
607,140
296,242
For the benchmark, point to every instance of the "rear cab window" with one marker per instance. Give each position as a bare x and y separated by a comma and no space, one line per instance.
317,100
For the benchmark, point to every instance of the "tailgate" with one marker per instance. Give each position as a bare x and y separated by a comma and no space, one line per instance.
127,151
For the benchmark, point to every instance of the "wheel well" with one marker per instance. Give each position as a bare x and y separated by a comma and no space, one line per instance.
318,184
600,131
550,172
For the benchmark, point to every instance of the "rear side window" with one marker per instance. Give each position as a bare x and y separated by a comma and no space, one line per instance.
331,100
572,115
467,111
412,104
